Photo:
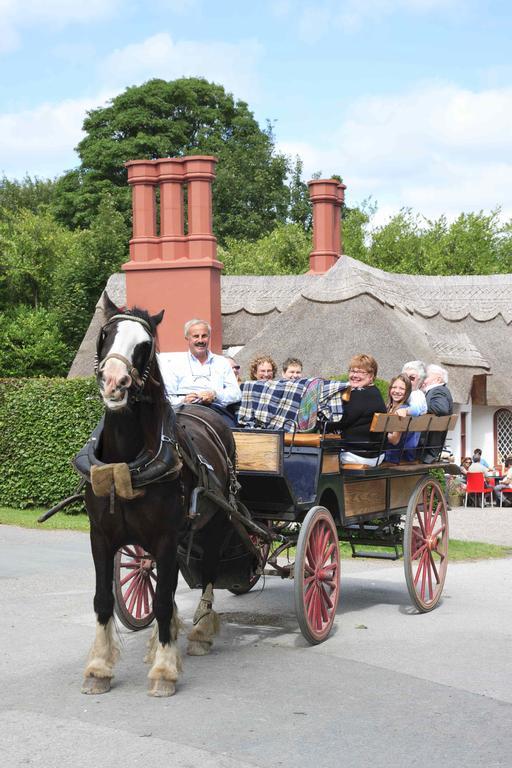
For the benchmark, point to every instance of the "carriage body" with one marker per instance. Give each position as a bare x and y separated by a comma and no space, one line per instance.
295,484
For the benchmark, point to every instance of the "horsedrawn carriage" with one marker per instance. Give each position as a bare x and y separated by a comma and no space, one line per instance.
304,502
181,492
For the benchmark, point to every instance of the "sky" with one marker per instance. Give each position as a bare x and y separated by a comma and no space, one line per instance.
410,101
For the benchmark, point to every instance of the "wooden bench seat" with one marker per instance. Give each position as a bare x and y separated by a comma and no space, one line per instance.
390,422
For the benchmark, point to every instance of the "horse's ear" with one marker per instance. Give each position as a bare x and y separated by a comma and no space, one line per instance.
109,307
157,319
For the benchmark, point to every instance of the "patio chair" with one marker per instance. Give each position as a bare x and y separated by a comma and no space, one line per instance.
502,493
475,484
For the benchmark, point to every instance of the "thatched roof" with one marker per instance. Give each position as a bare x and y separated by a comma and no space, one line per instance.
463,323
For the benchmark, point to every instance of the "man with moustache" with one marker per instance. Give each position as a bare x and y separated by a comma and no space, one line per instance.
197,375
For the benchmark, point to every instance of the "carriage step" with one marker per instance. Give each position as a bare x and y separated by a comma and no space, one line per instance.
377,555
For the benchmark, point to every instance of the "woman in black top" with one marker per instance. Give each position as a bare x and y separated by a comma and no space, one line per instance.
364,399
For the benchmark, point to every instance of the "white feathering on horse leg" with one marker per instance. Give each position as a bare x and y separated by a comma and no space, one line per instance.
166,660
175,626
102,656
152,646
165,670
206,625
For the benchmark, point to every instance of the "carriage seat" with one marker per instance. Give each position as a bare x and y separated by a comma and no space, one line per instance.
428,424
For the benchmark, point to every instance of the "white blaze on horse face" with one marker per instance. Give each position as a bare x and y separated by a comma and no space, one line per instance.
115,377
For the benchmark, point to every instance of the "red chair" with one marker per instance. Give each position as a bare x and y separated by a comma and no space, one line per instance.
475,484
502,492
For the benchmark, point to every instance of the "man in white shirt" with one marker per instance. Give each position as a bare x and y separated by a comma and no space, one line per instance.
198,376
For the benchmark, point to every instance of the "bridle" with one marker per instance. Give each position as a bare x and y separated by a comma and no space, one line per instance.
99,365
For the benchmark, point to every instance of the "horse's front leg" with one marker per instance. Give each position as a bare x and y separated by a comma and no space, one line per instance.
105,651
163,653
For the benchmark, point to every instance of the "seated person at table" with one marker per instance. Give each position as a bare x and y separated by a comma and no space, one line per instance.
456,484
477,456
197,375
401,445
292,369
262,368
476,466
363,400
505,483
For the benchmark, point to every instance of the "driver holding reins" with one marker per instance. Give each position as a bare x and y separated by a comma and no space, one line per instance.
198,375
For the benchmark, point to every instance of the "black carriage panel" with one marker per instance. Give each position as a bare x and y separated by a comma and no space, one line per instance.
302,468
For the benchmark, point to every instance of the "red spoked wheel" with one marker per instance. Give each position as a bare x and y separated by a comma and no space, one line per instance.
425,544
317,575
134,586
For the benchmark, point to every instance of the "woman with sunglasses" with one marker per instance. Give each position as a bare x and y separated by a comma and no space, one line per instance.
363,400
235,367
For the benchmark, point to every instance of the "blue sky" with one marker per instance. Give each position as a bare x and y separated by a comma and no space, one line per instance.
409,100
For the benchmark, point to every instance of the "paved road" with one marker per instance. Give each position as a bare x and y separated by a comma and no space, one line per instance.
388,688
491,524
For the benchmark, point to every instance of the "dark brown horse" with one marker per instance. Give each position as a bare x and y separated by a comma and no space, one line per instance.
147,502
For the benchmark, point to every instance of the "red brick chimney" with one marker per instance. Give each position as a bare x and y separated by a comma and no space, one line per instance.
327,196
168,269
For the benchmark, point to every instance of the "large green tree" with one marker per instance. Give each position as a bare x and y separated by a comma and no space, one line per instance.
172,119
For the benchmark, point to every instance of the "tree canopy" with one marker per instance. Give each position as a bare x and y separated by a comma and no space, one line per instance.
174,119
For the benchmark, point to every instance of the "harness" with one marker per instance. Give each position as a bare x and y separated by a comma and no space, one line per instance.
99,365
162,467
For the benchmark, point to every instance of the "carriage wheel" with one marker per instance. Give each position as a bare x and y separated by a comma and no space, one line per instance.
317,575
264,549
426,544
134,586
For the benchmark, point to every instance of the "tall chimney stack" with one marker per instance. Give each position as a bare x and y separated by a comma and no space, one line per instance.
327,196
169,269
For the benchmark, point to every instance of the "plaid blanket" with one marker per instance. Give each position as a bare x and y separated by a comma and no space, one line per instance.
290,405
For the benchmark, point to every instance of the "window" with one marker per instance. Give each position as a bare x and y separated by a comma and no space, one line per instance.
503,434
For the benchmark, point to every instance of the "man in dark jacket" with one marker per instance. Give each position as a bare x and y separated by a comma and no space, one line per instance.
439,402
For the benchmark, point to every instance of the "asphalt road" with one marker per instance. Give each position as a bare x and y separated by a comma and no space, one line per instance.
388,688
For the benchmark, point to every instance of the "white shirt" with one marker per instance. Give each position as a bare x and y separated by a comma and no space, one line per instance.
183,373
417,404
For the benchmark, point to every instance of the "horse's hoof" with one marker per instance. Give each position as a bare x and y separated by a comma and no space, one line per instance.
96,685
161,688
197,648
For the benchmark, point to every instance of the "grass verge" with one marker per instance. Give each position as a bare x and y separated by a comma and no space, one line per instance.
27,518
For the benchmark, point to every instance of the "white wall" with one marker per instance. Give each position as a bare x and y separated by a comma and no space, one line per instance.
482,431
453,437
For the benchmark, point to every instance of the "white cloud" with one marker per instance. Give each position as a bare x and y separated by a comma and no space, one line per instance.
40,141
316,19
437,149
16,15
232,64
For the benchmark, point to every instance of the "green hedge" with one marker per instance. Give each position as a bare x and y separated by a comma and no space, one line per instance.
43,423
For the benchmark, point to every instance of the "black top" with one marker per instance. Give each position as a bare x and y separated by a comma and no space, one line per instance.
440,403
357,417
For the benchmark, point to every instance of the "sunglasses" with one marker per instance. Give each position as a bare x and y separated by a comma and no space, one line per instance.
235,367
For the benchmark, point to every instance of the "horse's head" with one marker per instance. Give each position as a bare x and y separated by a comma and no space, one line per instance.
125,353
